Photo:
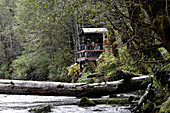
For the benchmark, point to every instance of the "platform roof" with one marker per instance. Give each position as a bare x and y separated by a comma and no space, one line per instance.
93,30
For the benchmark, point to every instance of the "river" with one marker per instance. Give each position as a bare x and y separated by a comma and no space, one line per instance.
60,104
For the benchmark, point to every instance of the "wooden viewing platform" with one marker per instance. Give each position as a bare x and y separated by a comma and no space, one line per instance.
91,43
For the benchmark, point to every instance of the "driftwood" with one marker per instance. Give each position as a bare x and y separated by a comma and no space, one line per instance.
71,89
145,96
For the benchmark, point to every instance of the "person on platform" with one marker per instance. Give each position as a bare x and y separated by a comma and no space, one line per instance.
91,47
96,47
83,45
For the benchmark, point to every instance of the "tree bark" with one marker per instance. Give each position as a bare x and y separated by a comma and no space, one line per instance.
71,89
159,18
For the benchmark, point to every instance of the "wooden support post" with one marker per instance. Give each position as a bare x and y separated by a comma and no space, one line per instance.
103,42
86,51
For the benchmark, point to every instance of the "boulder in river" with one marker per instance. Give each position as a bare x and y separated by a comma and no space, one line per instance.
86,102
41,109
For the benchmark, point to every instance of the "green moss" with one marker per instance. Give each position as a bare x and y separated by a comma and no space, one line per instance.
91,80
158,101
147,108
89,88
136,98
113,101
86,102
165,107
41,109
60,86
143,108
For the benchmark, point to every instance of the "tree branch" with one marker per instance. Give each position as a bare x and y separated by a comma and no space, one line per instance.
114,27
10,8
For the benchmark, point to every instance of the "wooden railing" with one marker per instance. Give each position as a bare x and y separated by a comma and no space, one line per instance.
85,53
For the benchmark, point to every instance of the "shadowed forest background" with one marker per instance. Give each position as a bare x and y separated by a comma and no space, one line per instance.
38,39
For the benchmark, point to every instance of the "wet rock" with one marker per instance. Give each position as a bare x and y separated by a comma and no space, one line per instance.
86,102
131,98
41,109
60,86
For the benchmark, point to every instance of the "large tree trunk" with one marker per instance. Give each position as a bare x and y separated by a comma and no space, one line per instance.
159,14
71,89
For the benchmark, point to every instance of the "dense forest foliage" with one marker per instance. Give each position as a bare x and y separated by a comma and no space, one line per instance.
38,39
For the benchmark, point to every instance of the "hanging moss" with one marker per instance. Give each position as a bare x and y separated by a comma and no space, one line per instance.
165,107
86,102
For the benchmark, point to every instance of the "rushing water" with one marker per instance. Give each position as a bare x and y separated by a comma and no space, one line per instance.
60,104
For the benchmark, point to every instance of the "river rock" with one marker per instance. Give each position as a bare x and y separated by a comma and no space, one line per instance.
41,109
86,102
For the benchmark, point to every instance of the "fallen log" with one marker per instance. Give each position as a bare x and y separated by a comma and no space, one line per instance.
126,75
120,74
71,89
98,76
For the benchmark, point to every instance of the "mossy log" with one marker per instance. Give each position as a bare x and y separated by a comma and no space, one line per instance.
98,76
127,75
71,89
94,75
